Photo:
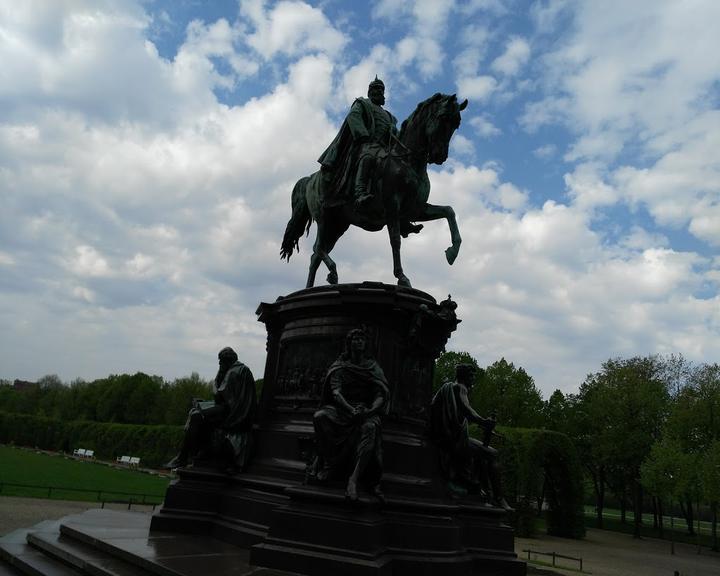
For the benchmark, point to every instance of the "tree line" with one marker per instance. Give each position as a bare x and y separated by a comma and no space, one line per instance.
121,399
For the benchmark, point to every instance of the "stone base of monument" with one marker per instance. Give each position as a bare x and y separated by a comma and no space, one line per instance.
314,530
289,522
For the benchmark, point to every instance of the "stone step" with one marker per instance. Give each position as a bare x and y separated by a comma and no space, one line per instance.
7,570
81,556
23,558
127,539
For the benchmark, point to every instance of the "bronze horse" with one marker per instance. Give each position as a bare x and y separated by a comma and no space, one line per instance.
402,190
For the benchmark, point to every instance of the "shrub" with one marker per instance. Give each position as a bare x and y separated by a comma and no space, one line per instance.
542,465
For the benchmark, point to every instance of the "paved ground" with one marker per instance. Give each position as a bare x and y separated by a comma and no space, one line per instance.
604,553
24,512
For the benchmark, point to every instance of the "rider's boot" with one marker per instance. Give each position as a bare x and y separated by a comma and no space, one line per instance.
407,228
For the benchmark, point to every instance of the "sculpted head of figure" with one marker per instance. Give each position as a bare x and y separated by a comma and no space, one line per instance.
226,358
355,343
376,92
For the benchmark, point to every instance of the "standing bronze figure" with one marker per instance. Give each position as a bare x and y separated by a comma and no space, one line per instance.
467,463
371,178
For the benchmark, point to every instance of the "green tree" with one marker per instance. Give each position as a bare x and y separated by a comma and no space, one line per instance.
445,367
694,421
710,475
667,473
179,394
510,393
621,413
556,411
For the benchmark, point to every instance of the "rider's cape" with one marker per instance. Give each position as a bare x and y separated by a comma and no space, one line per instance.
339,161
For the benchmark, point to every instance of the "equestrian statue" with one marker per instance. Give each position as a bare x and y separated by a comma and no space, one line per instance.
373,176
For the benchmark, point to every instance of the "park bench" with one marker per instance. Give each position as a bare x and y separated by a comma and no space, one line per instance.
83,453
128,460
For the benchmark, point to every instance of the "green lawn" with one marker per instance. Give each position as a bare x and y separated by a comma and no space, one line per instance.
71,479
611,521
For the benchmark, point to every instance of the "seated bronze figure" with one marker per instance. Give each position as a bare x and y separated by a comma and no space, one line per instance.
219,432
348,428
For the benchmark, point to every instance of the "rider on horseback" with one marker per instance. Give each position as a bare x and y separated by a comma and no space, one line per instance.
361,144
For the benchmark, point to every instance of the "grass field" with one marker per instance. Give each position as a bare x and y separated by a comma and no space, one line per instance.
611,521
65,478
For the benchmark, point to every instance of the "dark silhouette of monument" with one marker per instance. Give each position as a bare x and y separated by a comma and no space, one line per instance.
346,474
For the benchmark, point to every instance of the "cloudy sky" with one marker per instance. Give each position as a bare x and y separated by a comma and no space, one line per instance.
148,150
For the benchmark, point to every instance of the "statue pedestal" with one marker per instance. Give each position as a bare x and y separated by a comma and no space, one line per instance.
292,525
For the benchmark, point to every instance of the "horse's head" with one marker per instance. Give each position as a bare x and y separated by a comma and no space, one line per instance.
433,124
444,119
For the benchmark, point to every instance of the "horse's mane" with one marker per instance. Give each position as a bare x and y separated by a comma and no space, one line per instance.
421,111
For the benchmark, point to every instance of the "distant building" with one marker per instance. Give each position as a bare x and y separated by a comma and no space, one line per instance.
24,385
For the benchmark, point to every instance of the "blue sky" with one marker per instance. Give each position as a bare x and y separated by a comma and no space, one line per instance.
148,150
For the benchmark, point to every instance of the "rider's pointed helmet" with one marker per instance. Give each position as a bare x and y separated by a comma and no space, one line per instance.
377,83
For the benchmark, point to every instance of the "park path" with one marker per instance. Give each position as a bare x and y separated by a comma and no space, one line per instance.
607,553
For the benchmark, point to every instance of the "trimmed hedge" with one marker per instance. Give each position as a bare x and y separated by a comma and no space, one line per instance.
153,444
537,461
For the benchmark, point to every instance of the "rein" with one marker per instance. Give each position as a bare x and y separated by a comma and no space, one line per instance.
409,152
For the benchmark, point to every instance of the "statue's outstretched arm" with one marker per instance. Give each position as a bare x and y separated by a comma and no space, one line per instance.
468,410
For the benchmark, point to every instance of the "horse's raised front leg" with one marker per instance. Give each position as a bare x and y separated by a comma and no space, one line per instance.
394,233
432,212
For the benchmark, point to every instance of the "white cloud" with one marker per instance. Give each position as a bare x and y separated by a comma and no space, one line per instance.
475,39
484,127
291,28
633,84
422,46
462,146
516,55
89,262
543,112
477,88
545,151
6,259
546,13
683,186
587,188
640,239
635,66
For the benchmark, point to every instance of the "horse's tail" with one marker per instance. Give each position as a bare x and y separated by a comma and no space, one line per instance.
299,221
